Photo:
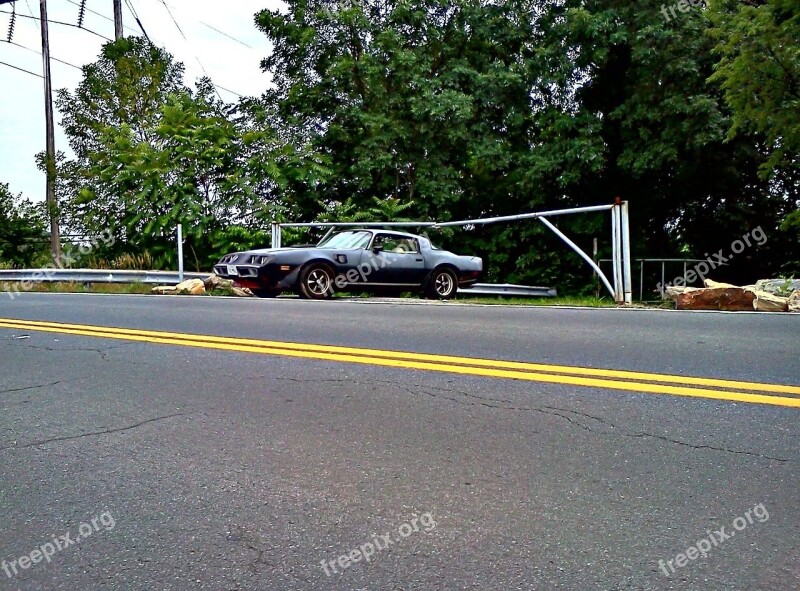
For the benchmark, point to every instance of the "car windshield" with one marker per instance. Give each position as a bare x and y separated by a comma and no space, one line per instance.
352,239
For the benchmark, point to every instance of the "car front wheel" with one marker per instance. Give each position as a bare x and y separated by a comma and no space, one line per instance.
443,285
316,282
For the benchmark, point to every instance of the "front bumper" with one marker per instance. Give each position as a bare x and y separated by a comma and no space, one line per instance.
269,276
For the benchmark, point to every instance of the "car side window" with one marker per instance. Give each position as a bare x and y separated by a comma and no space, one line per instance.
396,244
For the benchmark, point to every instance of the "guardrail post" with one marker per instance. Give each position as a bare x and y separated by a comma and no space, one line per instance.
626,253
275,241
615,254
180,253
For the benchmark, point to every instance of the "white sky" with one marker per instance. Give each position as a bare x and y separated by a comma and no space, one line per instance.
228,63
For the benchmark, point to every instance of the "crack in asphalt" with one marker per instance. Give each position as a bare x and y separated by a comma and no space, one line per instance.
34,387
103,351
251,543
485,402
93,433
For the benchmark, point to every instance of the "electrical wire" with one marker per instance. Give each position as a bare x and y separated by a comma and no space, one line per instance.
37,52
100,14
199,63
22,70
224,34
49,20
136,17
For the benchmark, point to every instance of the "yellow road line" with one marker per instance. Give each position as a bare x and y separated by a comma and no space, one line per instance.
440,363
470,361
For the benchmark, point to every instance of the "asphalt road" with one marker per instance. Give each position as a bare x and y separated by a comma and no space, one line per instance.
229,464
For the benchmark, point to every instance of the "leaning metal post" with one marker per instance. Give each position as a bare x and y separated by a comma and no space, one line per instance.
180,252
582,254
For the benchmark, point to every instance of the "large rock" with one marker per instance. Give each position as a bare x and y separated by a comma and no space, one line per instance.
726,298
793,304
191,287
673,291
778,286
769,302
165,290
242,292
216,282
716,284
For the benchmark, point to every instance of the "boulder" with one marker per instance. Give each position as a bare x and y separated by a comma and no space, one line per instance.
778,286
673,291
216,282
165,290
717,284
793,303
191,287
769,302
726,298
242,292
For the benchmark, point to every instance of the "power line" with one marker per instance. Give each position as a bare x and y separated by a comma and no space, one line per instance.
177,26
22,70
40,53
199,63
60,23
136,16
100,14
223,33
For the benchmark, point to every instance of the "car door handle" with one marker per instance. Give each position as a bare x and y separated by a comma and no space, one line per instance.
420,260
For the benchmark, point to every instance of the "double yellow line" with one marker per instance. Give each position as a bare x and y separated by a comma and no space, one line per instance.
651,383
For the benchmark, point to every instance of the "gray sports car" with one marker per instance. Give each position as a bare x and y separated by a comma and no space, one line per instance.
355,260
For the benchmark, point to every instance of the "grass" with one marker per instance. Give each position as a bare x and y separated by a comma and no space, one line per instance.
141,288
580,301
72,287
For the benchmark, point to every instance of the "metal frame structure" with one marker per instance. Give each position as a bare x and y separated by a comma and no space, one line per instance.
663,270
620,289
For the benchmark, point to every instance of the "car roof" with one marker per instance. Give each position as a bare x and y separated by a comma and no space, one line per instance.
379,230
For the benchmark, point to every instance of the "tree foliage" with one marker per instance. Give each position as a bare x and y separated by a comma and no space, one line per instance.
23,230
444,109
759,71
151,153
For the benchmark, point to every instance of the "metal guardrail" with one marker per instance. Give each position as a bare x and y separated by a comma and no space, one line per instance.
509,290
172,277
96,276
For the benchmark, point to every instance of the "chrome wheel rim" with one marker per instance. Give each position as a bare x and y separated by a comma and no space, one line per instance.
318,282
444,284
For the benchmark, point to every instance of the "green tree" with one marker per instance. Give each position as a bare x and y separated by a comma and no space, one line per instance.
151,153
759,71
23,230
444,106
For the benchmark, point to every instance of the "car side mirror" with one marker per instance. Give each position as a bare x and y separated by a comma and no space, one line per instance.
377,248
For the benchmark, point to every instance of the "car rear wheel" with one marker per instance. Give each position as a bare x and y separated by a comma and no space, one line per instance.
266,293
316,282
442,285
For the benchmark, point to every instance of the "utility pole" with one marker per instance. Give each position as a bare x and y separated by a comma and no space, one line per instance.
50,165
118,33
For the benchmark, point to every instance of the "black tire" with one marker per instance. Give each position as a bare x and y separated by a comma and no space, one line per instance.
266,293
442,285
316,282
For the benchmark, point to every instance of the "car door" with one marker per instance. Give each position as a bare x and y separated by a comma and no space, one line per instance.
395,260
